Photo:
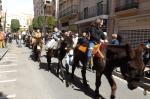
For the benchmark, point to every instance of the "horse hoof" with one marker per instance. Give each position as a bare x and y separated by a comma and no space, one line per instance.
72,76
96,94
86,85
112,97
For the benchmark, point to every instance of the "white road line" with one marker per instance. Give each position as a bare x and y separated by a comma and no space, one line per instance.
10,71
6,81
9,65
8,96
126,83
11,56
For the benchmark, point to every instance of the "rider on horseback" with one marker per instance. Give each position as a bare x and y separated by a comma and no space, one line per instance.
37,38
55,39
96,35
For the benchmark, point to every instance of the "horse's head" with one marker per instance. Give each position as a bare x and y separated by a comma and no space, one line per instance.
67,43
135,68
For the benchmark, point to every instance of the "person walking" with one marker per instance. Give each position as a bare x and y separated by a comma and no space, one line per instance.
2,40
115,41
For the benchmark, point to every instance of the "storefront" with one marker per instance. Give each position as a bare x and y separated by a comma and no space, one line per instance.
135,29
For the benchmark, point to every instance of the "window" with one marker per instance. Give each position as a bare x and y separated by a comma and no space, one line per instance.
86,13
99,8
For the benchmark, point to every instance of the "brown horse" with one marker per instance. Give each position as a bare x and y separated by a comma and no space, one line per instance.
37,49
130,62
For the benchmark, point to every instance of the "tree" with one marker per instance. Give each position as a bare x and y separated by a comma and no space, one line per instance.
15,25
51,22
35,23
30,28
41,21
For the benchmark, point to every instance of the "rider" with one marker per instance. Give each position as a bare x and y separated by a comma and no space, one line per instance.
96,35
147,52
55,38
37,38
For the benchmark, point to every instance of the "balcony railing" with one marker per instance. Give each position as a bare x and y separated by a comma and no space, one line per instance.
94,11
127,6
70,10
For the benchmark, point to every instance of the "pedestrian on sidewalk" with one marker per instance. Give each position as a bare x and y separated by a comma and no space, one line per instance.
2,39
115,41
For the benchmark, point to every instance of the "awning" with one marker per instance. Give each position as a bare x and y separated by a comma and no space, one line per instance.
91,19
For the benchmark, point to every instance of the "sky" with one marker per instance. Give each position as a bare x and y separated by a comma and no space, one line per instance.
18,6
18,9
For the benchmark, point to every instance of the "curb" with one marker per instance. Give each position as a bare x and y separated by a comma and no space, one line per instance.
145,82
3,52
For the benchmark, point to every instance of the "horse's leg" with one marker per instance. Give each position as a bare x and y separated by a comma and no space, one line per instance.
112,84
39,56
74,65
83,71
49,59
58,67
98,82
67,64
62,70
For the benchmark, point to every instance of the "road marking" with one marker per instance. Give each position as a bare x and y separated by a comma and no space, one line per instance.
126,83
10,58
9,65
8,96
10,71
6,81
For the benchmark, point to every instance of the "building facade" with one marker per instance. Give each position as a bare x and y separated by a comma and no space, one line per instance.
90,10
44,7
131,20
68,14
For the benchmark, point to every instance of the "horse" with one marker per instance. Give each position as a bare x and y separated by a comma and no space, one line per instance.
130,62
37,48
59,53
80,56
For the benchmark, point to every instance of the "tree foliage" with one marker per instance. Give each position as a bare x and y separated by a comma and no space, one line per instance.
41,21
30,28
51,21
15,25
35,23
38,22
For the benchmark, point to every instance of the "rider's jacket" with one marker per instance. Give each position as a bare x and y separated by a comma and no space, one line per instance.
96,34
57,35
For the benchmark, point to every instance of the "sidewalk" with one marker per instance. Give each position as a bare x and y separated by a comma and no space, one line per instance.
3,51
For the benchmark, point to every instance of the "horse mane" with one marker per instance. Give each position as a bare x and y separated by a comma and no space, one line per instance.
139,51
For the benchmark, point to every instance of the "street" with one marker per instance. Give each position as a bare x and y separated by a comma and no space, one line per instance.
22,78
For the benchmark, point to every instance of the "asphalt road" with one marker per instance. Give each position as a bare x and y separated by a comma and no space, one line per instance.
22,78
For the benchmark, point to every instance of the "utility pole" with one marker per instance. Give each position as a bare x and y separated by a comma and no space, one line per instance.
56,12
56,9
5,22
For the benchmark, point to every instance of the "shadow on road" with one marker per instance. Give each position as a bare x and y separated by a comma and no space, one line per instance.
2,96
75,83
43,66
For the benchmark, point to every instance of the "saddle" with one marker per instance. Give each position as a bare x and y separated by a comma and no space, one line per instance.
97,51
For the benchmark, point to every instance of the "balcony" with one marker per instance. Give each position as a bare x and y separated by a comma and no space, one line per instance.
61,1
74,9
94,11
127,7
